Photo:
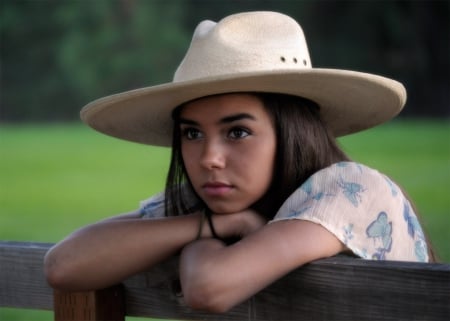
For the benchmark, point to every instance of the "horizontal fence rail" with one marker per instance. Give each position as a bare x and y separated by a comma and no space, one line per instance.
337,288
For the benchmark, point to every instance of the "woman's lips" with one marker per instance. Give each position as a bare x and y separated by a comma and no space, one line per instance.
216,189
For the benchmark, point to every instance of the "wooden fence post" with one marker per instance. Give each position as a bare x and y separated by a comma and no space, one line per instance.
106,304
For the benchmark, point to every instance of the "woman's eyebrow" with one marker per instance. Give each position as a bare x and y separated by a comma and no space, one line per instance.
224,120
240,116
186,121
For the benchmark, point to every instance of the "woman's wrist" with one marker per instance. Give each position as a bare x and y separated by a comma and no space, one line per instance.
206,226
201,229
221,226
226,226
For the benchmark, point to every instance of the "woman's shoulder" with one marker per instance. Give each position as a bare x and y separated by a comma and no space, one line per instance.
364,209
347,183
349,168
350,176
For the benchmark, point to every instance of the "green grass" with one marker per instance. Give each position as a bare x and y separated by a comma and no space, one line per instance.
56,178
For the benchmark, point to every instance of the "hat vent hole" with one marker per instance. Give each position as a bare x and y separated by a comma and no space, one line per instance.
295,60
283,59
304,62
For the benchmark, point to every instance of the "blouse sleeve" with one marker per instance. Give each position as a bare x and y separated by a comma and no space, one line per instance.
153,207
363,208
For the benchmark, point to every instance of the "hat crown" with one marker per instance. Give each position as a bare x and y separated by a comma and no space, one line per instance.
248,52
244,43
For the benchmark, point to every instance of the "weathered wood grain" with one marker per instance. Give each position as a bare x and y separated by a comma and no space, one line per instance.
338,288
22,281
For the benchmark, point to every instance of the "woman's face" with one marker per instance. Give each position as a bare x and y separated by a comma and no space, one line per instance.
228,146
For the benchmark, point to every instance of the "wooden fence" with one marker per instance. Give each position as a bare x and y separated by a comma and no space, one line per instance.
338,288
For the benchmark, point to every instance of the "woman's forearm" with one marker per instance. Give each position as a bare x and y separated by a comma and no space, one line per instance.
216,277
105,253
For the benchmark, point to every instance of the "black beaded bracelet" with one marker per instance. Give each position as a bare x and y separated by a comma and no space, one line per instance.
211,226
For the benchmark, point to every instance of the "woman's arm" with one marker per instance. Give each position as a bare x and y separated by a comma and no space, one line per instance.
216,277
105,253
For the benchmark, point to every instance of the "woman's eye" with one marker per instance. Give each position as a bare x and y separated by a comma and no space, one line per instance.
237,133
191,133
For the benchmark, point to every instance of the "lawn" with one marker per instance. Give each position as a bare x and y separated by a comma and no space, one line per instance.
56,178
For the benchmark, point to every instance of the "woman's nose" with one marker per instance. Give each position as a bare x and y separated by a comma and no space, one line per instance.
213,155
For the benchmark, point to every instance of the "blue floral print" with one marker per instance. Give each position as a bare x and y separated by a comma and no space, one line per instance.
346,164
149,208
411,220
352,191
348,233
381,230
391,186
416,232
421,250
308,189
293,214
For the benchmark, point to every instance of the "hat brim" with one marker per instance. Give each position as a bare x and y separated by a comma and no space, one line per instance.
349,101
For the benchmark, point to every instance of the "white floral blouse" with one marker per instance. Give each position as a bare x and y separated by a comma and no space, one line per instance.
363,208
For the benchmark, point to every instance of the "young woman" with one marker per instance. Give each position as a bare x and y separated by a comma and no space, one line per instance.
257,185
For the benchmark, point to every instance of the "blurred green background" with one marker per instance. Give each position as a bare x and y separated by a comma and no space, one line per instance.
55,56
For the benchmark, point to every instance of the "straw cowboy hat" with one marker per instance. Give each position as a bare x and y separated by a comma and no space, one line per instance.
248,52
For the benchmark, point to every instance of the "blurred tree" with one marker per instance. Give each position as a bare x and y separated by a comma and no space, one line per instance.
56,56
406,40
29,73
121,45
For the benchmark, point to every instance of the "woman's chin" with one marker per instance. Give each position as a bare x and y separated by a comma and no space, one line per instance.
225,210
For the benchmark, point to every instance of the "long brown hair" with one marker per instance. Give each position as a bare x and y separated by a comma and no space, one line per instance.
304,146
